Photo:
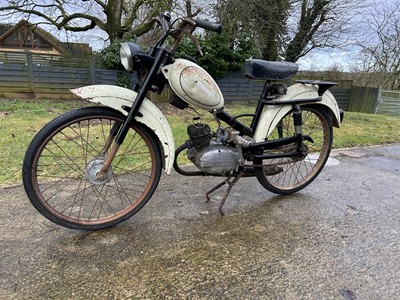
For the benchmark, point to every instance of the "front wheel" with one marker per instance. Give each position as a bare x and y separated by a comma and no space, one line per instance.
61,164
291,174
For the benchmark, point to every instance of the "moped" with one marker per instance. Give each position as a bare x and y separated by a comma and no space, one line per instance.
94,167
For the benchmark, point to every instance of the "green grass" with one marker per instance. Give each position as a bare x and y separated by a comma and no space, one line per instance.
366,129
21,119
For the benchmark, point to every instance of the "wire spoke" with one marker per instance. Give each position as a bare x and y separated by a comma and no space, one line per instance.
65,177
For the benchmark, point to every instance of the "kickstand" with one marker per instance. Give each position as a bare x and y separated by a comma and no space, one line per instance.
231,184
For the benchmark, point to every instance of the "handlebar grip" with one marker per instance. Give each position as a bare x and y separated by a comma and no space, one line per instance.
209,25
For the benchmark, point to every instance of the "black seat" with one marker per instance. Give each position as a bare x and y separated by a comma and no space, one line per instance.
270,70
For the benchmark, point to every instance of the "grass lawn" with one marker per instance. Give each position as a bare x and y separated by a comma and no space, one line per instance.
21,119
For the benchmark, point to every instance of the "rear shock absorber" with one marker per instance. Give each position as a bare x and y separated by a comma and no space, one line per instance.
298,121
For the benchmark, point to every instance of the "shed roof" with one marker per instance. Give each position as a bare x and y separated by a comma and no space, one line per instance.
65,48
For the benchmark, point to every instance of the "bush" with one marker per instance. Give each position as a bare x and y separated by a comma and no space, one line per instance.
110,56
111,59
221,54
124,79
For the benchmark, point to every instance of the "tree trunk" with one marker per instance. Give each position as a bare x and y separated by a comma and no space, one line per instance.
311,19
113,12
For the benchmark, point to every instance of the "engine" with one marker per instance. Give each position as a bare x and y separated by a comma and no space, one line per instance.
212,156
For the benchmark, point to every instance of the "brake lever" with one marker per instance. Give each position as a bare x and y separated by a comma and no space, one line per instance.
196,42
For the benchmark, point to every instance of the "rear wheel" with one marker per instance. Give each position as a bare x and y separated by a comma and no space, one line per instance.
61,164
288,175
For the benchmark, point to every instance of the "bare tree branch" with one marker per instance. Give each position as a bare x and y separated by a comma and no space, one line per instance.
381,48
291,29
115,17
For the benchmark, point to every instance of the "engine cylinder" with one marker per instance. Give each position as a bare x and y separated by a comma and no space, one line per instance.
200,135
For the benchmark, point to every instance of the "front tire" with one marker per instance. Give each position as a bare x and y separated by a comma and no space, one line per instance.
60,165
289,175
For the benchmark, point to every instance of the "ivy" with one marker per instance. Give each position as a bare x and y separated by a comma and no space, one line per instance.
110,58
124,79
221,54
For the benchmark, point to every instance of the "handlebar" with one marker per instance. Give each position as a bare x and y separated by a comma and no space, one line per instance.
187,27
209,25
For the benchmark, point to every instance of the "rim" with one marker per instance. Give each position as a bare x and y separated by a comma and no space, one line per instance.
63,177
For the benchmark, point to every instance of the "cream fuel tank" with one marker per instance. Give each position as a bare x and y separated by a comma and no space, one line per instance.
193,85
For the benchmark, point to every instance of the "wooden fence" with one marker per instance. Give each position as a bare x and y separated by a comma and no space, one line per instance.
49,74
242,89
389,103
364,99
53,76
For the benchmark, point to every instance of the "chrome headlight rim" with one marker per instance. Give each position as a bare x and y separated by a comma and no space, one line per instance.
125,54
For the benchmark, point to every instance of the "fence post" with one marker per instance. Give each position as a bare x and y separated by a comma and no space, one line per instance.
379,101
29,64
250,92
92,70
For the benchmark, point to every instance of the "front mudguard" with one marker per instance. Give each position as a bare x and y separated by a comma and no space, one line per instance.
118,98
272,114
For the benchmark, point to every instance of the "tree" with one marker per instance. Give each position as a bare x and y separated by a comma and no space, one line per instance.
271,19
188,8
289,29
263,21
115,17
321,24
381,47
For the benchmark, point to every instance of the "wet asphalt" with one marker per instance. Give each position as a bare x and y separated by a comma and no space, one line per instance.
339,238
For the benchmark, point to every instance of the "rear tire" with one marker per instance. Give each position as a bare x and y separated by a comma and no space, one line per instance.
61,163
289,175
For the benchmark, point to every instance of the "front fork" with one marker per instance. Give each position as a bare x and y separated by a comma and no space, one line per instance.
120,130
109,158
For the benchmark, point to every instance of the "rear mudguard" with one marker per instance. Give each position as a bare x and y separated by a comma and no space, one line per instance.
272,114
118,98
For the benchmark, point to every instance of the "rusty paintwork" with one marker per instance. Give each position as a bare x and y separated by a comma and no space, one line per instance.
194,85
118,97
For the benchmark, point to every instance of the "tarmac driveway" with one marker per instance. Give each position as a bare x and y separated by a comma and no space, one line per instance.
337,239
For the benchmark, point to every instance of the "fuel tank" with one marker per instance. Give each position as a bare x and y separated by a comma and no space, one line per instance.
193,85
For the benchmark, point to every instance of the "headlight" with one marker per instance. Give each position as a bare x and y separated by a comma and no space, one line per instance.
126,52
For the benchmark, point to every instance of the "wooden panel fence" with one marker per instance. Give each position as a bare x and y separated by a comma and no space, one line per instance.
364,99
389,103
49,74
242,89
14,77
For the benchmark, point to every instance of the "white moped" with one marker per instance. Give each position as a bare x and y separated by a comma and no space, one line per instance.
94,167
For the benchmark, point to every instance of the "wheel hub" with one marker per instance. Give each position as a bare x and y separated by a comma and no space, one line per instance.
303,152
92,170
